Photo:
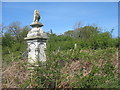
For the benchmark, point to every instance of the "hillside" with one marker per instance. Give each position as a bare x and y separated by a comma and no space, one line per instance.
89,69
82,58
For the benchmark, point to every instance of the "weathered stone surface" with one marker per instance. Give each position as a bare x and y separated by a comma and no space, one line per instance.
36,24
36,40
36,16
36,51
35,32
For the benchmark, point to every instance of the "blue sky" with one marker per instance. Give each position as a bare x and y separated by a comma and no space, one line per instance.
62,16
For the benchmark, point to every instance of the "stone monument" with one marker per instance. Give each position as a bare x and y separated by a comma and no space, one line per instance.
36,40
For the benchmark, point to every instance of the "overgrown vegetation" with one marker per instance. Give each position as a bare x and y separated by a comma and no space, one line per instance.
80,58
13,42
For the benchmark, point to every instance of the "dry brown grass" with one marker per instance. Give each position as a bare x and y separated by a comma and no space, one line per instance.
15,74
72,69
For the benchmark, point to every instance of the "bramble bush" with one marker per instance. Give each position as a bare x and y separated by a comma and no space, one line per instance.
102,75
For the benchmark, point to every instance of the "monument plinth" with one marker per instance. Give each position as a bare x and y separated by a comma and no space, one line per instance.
36,40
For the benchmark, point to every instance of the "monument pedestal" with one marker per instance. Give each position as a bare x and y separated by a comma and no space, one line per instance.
36,40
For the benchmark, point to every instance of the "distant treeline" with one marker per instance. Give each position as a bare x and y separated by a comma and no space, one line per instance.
88,37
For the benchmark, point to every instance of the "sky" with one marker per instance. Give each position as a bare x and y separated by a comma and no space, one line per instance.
62,16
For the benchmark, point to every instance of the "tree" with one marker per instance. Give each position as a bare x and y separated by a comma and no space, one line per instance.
15,30
24,33
69,33
51,32
83,32
86,32
77,25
